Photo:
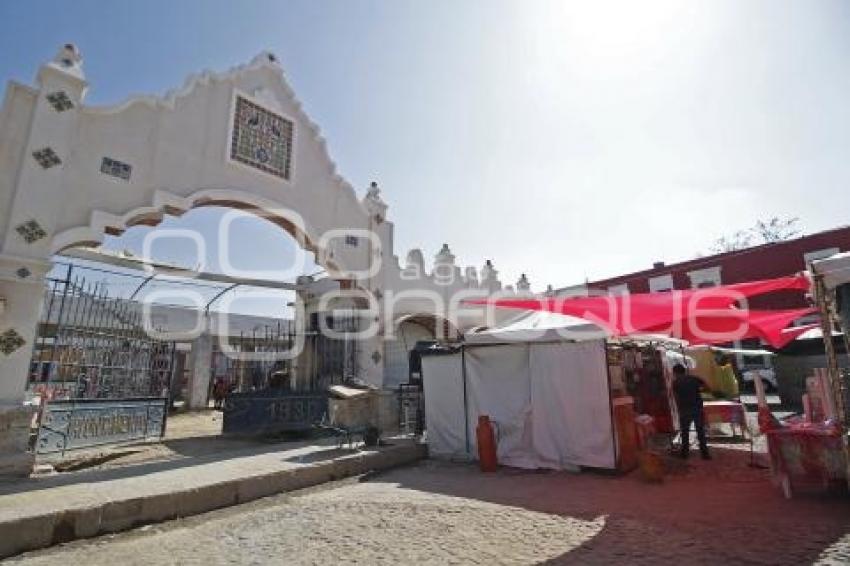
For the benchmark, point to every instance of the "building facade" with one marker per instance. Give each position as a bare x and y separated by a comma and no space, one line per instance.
71,173
759,262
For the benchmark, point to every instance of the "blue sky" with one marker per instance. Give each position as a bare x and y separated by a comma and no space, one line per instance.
564,139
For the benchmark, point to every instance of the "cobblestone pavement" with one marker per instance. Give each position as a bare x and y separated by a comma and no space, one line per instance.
717,512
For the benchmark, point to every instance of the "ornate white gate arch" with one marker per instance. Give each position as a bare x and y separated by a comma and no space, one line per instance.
70,173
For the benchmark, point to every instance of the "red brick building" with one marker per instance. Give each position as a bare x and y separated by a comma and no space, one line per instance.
759,262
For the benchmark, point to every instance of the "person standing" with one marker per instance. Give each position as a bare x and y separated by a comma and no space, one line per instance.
686,388
219,392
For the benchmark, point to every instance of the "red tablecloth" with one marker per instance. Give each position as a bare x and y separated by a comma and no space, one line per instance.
812,453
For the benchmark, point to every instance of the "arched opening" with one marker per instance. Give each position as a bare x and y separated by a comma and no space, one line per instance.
254,350
409,331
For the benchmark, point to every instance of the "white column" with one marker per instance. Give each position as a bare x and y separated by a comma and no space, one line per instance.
372,352
371,360
35,203
21,298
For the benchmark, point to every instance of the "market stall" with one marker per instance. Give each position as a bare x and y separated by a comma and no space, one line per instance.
560,393
814,448
715,366
700,317
548,396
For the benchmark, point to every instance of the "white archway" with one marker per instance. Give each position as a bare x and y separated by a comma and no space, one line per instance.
70,173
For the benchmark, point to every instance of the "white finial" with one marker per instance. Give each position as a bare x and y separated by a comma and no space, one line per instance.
522,284
444,256
415,265
69,59
374,203
490,277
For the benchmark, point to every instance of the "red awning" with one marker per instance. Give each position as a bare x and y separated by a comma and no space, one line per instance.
703,316
737,324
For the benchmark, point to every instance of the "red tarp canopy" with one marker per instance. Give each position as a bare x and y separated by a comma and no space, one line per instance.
701,316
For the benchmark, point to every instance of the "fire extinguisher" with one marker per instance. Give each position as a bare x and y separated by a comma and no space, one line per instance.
486,444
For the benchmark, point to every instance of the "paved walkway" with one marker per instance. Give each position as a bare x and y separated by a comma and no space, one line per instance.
38,512
721,512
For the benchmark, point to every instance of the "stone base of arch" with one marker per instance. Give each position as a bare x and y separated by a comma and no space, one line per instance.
21,297
15,457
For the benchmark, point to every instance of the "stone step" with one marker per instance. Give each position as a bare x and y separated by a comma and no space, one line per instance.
32,518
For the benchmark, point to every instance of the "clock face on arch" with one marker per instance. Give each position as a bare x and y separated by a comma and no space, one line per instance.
261,139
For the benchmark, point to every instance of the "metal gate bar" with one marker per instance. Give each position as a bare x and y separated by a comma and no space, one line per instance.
99,375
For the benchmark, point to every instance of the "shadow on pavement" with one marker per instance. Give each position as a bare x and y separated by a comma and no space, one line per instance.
184,452
706,512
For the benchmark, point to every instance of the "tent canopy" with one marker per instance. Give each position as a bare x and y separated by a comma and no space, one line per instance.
545,326
537,326
701,316
549,402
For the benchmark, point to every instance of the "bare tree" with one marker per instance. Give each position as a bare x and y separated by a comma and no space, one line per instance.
737,241
777,229
764,232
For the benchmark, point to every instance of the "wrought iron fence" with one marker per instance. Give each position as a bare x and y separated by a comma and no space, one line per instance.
258,360
92,346
263,359
99,377
267,393
335,357
411,409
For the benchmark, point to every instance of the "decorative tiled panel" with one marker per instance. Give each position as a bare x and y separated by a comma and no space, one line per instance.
31,231
261,139
10,341
60,101
115,168
46,157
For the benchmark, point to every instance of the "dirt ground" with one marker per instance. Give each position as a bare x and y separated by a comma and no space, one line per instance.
194,424
721,511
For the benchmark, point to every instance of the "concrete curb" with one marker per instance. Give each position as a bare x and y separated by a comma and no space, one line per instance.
39,531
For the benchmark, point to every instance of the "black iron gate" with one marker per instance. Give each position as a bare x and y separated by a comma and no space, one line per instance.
99,377
268,393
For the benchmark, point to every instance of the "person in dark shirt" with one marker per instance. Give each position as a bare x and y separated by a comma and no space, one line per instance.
686,388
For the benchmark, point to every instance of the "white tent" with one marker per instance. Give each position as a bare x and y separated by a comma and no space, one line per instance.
537,326
547,395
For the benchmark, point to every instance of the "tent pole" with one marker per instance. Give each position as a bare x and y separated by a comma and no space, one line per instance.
465,402
614,442
827,317
833,372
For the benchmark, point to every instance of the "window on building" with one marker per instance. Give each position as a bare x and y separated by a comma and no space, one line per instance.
661,283
622,289
704,278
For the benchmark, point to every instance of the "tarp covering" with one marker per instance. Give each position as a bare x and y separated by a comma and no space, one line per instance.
735,324
703,316
834,269
570,399
537,326
549,402
444,392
